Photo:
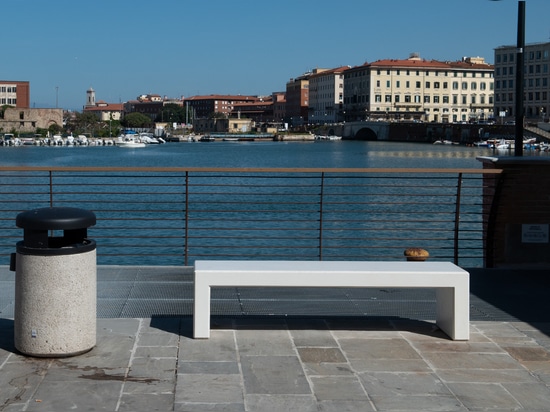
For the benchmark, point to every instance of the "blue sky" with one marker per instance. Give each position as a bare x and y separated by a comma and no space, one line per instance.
124,48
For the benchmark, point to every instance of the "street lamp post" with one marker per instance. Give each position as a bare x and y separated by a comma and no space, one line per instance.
518,147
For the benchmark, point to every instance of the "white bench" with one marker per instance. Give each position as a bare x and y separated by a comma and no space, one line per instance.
452,284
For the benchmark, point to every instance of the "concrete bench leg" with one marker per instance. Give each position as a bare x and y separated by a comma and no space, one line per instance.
453,308
201,313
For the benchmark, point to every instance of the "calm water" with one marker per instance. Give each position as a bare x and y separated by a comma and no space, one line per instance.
253,154
332,154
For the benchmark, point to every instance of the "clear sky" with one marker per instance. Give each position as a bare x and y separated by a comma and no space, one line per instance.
124,48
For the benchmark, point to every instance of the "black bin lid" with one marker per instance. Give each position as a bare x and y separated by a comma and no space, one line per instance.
55,218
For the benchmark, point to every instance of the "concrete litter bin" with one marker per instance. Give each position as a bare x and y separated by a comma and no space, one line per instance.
55,283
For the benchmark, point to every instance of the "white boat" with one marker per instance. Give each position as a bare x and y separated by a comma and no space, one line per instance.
129,140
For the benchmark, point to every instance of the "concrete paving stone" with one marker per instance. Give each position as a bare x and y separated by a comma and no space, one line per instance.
318,336
364,334
302,403
488,396
146,402
220,347
389,365
153,369
321,355
355,348
528,354
61,371
463,360
158,339
209,407
209,388
415,403
485,375
149,387
538,368
18,382
218,368
500,330
156,352
327,369
345,406
110,352
389,384
118,327
68,395
457,346
359,324
531,396
265,342
341,388
274,375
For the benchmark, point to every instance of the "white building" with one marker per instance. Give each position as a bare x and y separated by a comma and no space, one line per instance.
422,90
326,95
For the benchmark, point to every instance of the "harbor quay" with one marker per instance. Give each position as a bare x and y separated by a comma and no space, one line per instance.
331,349
316,351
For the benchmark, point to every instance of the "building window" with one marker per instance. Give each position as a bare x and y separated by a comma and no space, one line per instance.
387,98
464,86
427,85
407,99
436,84
418,85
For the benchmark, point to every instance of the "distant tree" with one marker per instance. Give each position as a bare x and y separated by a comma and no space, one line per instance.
217,115
85,122
173,113
136,120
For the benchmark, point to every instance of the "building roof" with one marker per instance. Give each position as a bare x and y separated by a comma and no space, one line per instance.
222,97
109,107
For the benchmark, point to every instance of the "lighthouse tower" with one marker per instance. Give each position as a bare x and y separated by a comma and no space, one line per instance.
90,97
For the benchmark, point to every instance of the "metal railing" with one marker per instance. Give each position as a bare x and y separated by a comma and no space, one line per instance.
174,216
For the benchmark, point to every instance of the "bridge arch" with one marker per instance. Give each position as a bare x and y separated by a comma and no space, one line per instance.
365,133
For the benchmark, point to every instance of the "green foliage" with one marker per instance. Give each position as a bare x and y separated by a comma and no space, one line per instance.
173,113
136,120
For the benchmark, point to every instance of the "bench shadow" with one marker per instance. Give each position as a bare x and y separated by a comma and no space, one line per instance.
183,325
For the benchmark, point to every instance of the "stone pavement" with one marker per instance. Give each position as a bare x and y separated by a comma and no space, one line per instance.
299,363
285,364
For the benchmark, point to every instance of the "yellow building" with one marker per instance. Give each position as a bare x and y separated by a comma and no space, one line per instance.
420,90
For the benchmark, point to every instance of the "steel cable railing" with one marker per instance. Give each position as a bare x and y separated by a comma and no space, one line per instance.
173,216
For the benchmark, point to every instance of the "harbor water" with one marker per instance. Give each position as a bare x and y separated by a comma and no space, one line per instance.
319,154
333,154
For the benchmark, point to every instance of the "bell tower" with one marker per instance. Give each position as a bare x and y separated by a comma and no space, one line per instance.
90,97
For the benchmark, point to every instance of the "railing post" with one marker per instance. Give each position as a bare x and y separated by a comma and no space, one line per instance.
321,216
457,217
51,187
186,229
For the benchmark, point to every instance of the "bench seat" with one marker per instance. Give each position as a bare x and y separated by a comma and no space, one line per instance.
452,284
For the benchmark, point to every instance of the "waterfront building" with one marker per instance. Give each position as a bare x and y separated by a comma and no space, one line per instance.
19,121
297,100
419,90
536,98
326,95
259,110
106,111
15,93
207,106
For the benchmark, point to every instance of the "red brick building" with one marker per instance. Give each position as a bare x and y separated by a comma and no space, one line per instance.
15,93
